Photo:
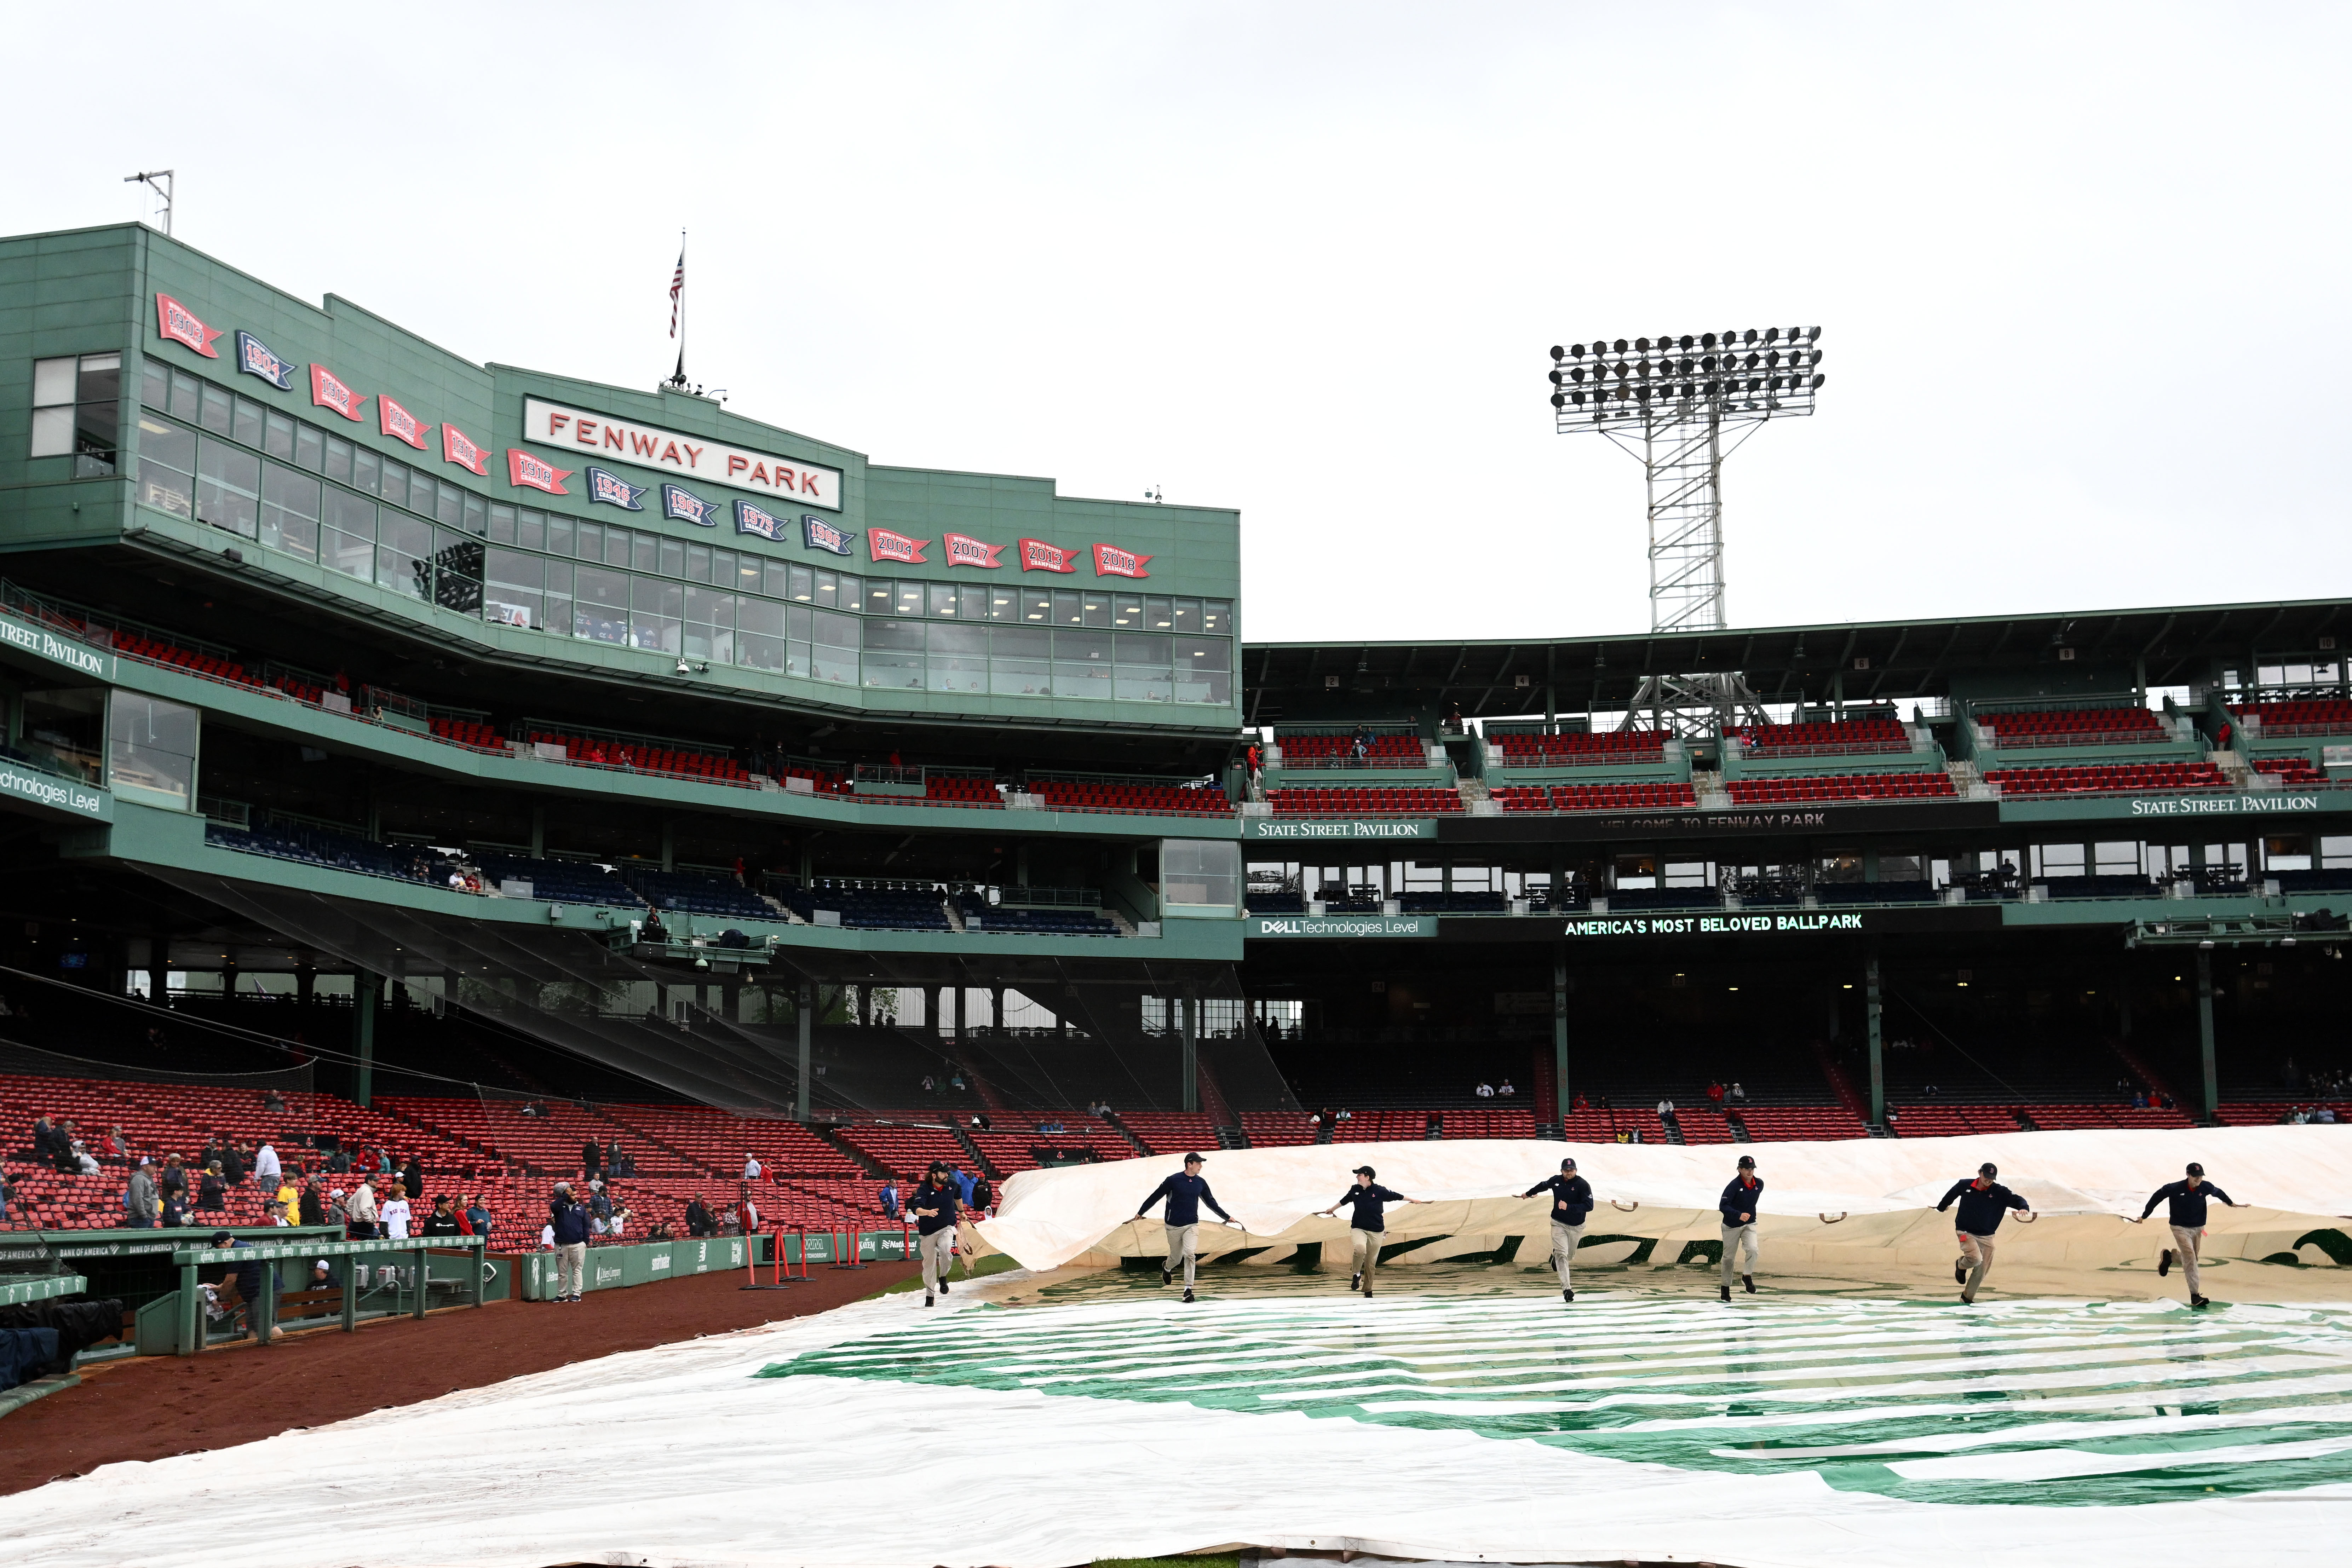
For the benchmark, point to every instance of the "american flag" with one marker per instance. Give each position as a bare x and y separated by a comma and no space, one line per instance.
677,290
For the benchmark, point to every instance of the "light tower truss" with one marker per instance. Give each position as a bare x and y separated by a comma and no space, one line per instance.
1683,405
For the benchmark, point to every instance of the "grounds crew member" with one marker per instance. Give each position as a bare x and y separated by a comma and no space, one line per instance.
1367,1198
2187,1200
1984,1204
1740,1203
934,1205
1572,1206
1185,1195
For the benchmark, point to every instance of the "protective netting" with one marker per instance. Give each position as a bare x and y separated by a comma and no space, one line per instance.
1108,1029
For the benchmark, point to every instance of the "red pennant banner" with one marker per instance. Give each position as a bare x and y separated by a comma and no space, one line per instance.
884,544
1112,561
399,423
326,391
177,322
964,550
1036,555
536,473
455,448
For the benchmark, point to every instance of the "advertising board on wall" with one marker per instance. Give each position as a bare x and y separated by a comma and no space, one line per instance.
675,452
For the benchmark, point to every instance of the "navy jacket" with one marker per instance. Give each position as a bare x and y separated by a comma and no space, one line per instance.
2188,1202
1367,1201
1572,1198
571,1222
1742,1198
934,1208
1185,1195
1980,1212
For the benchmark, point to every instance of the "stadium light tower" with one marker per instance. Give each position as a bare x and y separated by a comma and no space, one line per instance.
1683,405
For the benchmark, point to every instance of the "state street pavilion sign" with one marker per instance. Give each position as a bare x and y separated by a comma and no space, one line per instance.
675,452
1320,828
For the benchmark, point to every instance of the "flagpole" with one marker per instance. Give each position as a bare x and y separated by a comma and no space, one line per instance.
677,377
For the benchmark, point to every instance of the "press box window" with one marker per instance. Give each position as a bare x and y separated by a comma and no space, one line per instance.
78,411
1199,875
151,750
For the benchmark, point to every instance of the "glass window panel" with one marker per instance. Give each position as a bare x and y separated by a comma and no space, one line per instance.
150,749
1201,872
101,379
347,539
827,591
1020,677
646,553
883,634
599,605
458,571
502,525
403,552
53,383
905,599
956,674
289,511
796,619
1188,616
697,563
1204,670
709,624
395,480
797,583
942,598
53,432
155,384
1069,610
1203,652
531,529
96,436
474,518
338,461
559,596
1096,608
512,595
1036,607
766,617
1217,617
1003,603
799,660
616,547
831,629
247,427
836,664
1158,614
1021,642
655,610
959,640
672,555
592,540
188,395
1143,673
167,468
217,413
893,669
278,435
759,636
1091,647
1143,648
877,599
1128,613
228,487
559,531
310,448
852,587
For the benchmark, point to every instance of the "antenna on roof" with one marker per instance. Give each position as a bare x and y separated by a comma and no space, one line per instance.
149,178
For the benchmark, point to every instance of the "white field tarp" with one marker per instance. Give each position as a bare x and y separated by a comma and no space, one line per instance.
1820,1199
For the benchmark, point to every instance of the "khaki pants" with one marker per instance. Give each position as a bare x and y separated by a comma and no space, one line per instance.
937,1251
1565,1240
1976,1251
570,1263
2184,1252
1364,1253
1179,1250
1740,1239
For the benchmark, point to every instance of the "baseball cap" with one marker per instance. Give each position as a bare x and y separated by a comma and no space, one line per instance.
1195,1160
1366,1170
1568,1165
222,1238
2195,1169
1988,1169
1748,1162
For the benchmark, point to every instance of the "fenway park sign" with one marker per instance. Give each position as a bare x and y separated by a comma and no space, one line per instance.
675,452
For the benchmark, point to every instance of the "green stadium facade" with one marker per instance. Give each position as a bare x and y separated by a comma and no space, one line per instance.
348,678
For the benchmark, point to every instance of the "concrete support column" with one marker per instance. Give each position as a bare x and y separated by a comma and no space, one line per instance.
1559,1023
962,1014
2205,1032
1191,1035
804,1015
1871,1013
158,969
364,989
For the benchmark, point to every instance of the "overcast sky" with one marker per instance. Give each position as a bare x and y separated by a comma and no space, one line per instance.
2081,270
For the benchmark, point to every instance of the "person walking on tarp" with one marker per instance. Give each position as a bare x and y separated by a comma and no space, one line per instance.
1185,1195
2187,1201
1740,1204
934,1205
1984,1204
1367,1200
1572,1206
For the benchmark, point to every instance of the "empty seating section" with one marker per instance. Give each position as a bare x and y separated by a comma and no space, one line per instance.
2055,1118
1881,732
1274,1129
317,846
1841,786
906,1151
870,909
1172,1132
2271,1113
2121,778
822,782
469,733
156,652
1580,750
1406,802
1619,797
646,757
979,915
1598,1127
2290,770
1007,1150
2319,716
961,789
563,882
1703,1125
1498,1121
1796,1122
1171,799
1326,750
701,893
2076,727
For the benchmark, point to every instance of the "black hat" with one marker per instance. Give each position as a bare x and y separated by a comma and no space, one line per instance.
2195,1169
1988,1170
222,1238
1748,1162
1366,1170
1568,1165
1195,1160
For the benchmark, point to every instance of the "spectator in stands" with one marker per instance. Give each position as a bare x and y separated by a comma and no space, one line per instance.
393,1215
600,1209
45,1140
1738,1095
443,1221
172,1178
274,1102
567,1231
288,1197
312,1203
983,1201
1484,1090
1715,1092
1666,1109
112,1146
612,1158
139,1202
1579,1103
362,1211
6,1192
963,1184
1361,743
699,1219
654,930
1503,1089
477,1217
412,1176
276,1213
980,1122
175,1211
265,1165
212,1192
747,1213
592,1160
888,1197
751,1166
